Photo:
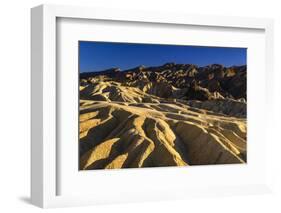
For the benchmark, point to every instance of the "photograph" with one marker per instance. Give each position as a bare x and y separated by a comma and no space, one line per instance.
147,105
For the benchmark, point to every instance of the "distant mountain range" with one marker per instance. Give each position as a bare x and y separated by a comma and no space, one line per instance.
199,83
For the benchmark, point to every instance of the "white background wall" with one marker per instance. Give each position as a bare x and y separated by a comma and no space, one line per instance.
15,99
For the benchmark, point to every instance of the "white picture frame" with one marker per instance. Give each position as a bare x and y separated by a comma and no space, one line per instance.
45,171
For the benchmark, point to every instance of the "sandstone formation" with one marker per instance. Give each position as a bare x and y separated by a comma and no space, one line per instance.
171,115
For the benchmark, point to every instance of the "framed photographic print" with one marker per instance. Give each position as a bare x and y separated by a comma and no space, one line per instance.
130,106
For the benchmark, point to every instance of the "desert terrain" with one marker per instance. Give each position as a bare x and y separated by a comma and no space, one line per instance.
169,115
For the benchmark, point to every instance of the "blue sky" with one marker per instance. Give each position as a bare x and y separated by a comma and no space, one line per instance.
97,56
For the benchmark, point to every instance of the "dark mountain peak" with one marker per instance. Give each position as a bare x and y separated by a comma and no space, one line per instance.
215,66
136,69
111,72
114,69
169,64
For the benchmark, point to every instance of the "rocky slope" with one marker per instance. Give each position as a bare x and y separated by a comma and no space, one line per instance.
199,83
171,115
